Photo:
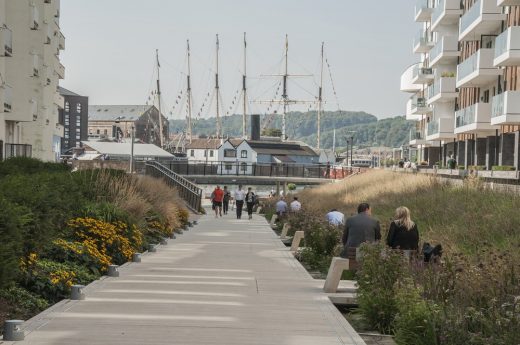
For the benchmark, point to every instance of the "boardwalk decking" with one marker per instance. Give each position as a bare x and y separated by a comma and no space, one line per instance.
226,281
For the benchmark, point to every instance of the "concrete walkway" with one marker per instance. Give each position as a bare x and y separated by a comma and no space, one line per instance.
226,281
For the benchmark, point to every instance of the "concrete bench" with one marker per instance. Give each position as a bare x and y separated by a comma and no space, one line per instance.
259,210
298,237
285,230
337,266
272,223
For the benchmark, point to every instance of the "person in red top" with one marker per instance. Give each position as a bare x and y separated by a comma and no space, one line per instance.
218,196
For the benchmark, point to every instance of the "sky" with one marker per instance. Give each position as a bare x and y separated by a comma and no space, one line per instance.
111,45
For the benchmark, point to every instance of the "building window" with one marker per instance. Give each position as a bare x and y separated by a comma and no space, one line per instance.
67,107
243,154
78,136
192,153
229,166
105,131
97,131
243,166
205,153
78,108
230,153
211,153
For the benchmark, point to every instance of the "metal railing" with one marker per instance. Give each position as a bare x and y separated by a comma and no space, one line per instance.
188,191
17,150
237,168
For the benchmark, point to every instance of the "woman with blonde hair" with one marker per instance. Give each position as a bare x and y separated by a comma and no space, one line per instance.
403,233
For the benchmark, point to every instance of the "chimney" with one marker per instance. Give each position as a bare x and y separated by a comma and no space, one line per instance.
255,127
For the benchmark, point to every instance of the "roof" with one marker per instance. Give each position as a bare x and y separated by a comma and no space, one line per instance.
205,143
116,112
64,92
281,148
123,149
283,159
236,141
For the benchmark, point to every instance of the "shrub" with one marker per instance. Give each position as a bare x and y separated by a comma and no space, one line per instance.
52,280
291,186
381,269
503,168
21,304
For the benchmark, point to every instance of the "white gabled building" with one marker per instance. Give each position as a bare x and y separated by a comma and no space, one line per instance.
203,150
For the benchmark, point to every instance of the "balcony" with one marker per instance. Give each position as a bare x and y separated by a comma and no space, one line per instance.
61,41
7,93
60,69
407,84
6,41
59,100
478,69
507,47
508,2
423,10
483,18
17,150
422,75
446,51
474,119
447,12
442,90
417,137
417,107
440,129
423,42
506,108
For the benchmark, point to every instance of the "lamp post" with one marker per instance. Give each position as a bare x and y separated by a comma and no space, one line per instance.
132,150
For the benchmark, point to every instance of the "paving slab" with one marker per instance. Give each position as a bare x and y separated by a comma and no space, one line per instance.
226,281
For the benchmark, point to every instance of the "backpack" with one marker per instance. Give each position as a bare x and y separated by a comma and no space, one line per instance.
251,197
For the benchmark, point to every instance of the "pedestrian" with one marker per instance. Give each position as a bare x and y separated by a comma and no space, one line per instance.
403,233
452,163
218,196
225,200
281,207
295,205
336,218
250,202
360,228
239,200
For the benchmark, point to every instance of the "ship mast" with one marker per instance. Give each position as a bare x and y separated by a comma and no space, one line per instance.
189,128
244,90
285,97
159,98
217,92
320,100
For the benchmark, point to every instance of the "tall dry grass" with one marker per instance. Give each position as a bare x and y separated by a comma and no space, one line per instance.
460,218
141,196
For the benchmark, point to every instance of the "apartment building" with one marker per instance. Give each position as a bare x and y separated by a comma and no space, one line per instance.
74,118
30,68
464,89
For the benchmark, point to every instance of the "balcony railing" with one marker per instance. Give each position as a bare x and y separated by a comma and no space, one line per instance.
423,39
422,71
465,116
8,97
423,9
433,127
468,66
447,44
507,47
7,36
470,16
497,105
443,6
418,102
18,150
416,134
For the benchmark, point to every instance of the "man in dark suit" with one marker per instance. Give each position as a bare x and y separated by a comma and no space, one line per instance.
361,228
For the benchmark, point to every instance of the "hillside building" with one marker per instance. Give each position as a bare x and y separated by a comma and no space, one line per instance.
465,91
30,68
